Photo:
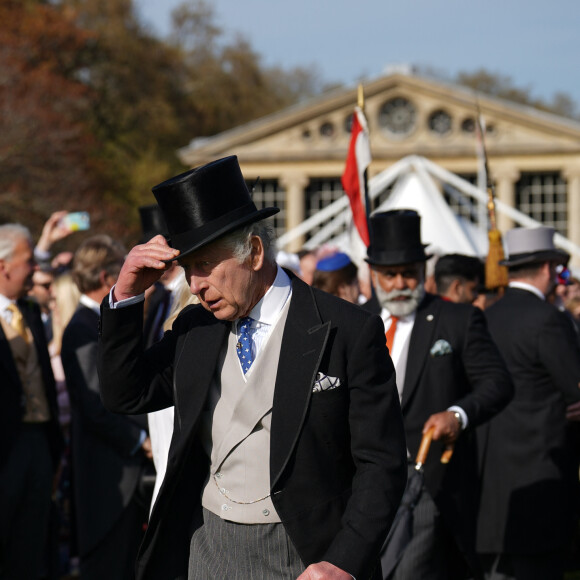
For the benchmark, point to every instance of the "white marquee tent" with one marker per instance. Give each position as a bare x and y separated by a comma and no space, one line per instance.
418,183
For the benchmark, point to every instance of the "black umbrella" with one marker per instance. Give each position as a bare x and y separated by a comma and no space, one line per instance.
402,528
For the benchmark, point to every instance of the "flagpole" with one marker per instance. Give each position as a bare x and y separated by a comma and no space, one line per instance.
496,276
361,105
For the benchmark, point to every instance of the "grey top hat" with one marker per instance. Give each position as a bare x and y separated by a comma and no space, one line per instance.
532,245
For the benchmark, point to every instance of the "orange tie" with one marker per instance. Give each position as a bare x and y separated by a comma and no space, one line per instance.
390,334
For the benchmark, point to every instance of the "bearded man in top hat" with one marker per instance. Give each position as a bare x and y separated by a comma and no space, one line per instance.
451,377
288,454
530,476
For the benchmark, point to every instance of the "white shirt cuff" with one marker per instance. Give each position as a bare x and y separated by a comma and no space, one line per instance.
41,255
126,301
463,414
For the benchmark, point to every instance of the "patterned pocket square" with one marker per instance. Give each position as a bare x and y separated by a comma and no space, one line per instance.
325,383
440,348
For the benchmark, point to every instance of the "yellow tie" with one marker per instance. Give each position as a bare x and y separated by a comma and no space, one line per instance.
17,322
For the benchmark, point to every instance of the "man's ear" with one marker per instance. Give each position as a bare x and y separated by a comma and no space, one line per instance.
4,267
257,254
106,280
454,289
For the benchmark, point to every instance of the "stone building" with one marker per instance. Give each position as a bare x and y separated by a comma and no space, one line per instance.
299,153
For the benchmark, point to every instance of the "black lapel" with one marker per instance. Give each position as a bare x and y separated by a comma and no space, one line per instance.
6,358
196,358
31,313
421,341
303,343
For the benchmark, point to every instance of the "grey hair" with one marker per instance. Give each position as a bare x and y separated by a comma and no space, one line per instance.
239,241
10,235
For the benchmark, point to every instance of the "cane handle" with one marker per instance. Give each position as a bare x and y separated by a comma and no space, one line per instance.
424,447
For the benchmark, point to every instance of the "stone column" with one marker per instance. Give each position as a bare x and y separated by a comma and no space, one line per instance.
572,176
294,184
505,177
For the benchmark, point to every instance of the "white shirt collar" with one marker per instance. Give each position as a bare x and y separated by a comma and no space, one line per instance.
528,287
386,316
173,284
90,303
269,307
4,303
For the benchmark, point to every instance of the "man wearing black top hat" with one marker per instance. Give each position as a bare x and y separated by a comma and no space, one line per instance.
450,376
288,455
530,475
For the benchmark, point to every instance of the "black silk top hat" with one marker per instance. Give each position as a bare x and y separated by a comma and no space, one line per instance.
532,245
152,222
396,238
206,203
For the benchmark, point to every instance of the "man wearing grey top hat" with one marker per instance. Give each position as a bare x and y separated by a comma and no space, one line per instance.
450,377
288,454
530,471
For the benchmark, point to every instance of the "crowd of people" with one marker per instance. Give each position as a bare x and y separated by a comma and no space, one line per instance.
198,411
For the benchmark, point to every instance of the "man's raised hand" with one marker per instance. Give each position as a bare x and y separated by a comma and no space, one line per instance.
143,266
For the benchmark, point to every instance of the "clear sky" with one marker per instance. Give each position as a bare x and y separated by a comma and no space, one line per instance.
535,42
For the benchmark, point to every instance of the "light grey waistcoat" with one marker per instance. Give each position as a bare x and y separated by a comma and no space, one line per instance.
236,428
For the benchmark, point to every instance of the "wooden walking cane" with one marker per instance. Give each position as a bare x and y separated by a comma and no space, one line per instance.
424,450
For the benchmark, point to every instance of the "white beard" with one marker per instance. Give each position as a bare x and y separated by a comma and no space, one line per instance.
400,308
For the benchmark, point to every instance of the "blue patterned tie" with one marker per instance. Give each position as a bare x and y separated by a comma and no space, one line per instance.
245,343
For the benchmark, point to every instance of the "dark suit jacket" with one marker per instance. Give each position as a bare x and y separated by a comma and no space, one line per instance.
158,306
473,376
106,468
337,460
12,398
530,475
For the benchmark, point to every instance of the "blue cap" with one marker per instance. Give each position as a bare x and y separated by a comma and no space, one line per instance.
334,262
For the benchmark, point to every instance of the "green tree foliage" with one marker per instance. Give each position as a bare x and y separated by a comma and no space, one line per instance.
227,84
45,147
502,86
97,104
94,105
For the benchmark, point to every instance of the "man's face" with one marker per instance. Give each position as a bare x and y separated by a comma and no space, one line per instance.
41,282
399,288
467,291
16,273
550,278
224,287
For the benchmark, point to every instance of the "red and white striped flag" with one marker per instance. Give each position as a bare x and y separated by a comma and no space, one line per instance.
353,181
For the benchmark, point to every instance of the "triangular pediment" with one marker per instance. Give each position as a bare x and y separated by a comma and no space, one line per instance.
406,115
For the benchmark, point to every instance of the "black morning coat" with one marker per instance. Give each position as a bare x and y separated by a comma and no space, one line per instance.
12,402
530,492
337,457
107,462
452,360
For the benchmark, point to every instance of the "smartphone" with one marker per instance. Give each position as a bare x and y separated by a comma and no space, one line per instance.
77,221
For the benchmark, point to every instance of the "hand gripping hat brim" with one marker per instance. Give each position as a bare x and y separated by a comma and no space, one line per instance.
205,203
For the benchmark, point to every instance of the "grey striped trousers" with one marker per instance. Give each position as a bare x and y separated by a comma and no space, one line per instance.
231,551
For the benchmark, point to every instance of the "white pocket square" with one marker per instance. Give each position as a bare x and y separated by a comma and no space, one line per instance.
325,383
440,348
